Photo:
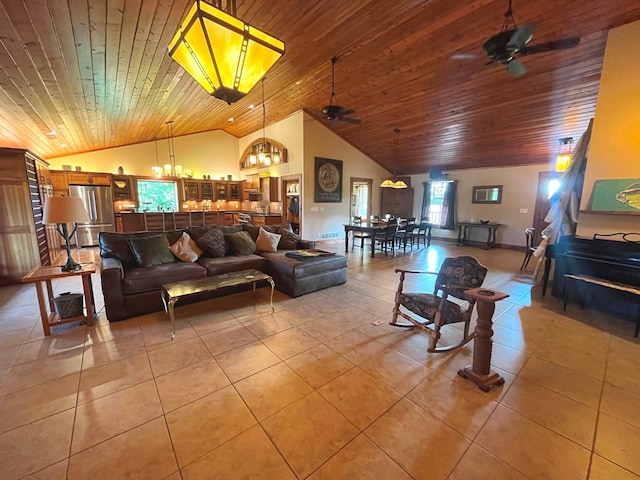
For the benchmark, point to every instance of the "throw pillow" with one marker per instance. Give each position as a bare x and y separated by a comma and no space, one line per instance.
186,249
288,240
267,241
150,251
241,243
212,242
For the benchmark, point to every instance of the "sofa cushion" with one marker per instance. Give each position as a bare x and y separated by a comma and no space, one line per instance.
267,241
151,250
212,242
241,243
186,249
116,245
232,263
288,240
291,267
138,280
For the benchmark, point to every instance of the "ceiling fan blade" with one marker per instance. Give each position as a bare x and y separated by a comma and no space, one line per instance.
516,68
520,38
354,121
562,44
347,112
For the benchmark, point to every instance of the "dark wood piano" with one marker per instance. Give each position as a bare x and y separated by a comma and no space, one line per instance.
616,261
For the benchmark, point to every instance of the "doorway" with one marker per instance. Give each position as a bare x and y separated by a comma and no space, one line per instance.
361,189
548,183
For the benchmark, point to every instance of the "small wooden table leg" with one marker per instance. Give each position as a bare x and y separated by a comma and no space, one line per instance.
88,298
480,371
42,303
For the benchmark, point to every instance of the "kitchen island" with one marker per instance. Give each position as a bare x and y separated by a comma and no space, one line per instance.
163,221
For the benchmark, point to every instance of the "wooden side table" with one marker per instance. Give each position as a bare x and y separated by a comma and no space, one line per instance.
480,372
42,277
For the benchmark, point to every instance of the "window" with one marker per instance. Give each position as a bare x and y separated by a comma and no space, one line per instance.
158,195
436,202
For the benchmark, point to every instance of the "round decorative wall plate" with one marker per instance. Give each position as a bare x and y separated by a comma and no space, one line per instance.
328,177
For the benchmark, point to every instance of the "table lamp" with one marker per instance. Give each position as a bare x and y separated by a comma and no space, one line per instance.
60,211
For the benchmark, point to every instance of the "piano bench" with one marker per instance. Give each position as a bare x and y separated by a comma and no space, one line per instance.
620,287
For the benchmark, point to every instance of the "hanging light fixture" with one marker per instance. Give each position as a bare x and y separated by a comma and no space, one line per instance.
394,182
171,169
223,54
157,170
564,154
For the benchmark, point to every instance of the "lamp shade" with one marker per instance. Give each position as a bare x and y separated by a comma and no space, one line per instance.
223,54
399,184
64,210
388,183
562,162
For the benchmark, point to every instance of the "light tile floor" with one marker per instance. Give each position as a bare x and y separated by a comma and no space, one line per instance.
322,389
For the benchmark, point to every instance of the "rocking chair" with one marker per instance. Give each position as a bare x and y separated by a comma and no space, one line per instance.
456,275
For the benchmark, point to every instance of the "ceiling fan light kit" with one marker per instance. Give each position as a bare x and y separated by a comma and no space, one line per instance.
223,54
511,42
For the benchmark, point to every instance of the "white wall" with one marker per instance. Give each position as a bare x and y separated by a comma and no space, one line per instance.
321,141
519,187
212,153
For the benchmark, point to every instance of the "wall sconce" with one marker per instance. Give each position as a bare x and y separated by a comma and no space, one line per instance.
563,160
223,54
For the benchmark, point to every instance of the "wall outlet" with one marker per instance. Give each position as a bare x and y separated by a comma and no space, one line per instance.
524,210
314,209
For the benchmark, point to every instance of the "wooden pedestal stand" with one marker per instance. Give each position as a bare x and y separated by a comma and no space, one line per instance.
480,372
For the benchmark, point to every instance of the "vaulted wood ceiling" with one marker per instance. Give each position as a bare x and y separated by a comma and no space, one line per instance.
98,73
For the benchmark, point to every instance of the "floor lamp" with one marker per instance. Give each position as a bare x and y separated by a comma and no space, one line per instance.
60,211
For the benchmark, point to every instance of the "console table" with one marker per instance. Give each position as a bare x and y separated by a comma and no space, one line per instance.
491,228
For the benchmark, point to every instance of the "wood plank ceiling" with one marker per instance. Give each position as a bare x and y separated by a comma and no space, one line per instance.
98,73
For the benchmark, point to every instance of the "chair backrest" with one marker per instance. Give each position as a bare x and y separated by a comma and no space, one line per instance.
390,231
357,220
530,235
464,271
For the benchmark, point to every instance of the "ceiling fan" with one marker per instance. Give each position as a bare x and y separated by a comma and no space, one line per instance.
336,113
511,43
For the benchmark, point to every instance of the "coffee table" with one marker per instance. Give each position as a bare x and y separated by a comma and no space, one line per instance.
172,292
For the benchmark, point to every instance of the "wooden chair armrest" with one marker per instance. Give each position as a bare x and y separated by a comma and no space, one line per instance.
398,270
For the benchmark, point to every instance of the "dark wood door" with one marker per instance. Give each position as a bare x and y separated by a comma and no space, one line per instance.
545,184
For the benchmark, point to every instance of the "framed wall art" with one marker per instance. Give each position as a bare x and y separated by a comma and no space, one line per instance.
328,181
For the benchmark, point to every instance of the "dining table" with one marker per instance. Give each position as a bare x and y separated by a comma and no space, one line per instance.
368,227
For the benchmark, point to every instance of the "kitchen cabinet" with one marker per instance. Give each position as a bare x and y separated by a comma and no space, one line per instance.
123,187
190,190
396,201
206,190
270,189
86,178
23,237
221,190
60,183
234,191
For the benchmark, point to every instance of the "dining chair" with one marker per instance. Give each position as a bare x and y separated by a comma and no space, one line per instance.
404,235
361,235
421,231
447,304
386,238
529,234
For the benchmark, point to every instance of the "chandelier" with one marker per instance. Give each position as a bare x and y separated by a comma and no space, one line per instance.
264,152
394,182
223,54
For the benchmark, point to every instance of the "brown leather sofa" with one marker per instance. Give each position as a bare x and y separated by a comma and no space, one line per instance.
130,290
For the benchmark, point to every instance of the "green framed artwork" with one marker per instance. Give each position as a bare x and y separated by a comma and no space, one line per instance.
328,185
617,195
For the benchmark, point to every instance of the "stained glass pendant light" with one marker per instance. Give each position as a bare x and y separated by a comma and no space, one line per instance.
223,54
